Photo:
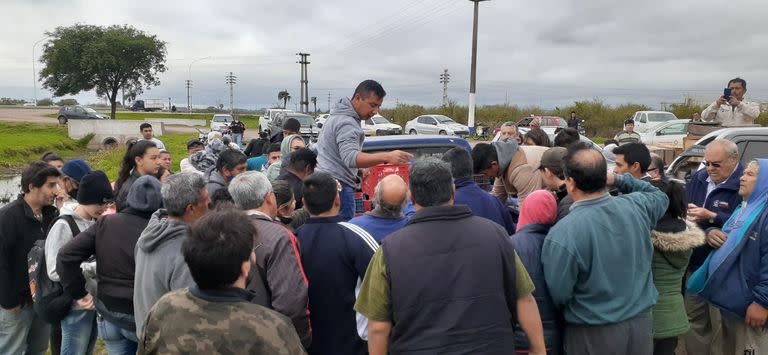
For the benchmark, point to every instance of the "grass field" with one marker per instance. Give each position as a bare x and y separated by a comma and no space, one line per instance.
23,143
109,160
251,121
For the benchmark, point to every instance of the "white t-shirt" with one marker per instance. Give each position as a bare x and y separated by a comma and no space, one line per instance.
157,142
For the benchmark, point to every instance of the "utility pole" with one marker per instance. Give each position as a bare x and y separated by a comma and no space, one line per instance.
231,80
189,105
304,102
444,79
473,74
314,102
329,102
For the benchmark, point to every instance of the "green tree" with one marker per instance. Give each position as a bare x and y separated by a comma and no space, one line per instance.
45,102
105,59
285,96
67,102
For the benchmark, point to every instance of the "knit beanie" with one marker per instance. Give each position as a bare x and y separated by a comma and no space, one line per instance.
76,169
144,195
94,189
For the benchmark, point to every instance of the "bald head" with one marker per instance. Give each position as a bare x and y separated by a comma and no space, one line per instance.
390,196
586,167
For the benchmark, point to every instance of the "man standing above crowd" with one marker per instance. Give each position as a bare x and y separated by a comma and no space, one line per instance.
600,273
628,135
468,193
277,278
147,135
733,111
22,222
237,128
514,167
713,195
387,217
632,158
335,255
422,295
340,144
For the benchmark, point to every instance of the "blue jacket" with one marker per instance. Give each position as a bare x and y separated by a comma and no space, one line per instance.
527,242
483,204
379,227
723,200
597,260
742,275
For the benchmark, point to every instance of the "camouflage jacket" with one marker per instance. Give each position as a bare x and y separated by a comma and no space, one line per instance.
193,321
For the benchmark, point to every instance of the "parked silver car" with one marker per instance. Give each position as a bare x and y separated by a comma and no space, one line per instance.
436,124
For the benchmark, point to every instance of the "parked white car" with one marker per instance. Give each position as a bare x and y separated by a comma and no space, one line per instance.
436,124
220,121
670,133
380,126
647,120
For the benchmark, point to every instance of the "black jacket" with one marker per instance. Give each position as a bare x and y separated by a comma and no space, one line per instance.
113,240
452,284
297,186
121,201
18,232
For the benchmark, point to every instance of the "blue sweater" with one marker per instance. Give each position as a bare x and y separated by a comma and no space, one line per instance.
379,227
723,200
483,204
335,256
597,260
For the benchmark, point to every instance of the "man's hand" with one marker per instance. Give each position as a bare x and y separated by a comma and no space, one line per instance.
698,214
721,101
398,157
734,102
716,238
756,316
86,302
610,179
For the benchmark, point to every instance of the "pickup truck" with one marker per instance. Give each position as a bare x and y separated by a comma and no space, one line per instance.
269,115
751,141
148,105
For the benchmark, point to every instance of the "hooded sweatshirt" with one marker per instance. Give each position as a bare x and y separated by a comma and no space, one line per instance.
339,143
275,169
214,181
518,168
160,265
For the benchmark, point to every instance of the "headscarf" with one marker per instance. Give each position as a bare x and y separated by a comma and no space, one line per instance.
285,150
539,207
736,226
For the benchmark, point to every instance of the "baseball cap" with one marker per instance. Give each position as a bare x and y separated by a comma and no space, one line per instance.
76,169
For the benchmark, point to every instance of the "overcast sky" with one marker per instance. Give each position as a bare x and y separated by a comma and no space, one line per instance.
547,52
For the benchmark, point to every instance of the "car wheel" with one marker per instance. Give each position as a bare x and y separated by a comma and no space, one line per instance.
443,133
412,132
62,120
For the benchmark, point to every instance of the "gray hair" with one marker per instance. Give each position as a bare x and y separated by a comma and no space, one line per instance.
431,182
729,147
249,190
509,124
385,209
180,191
756,164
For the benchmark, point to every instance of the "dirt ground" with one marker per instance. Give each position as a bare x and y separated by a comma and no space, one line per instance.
30,115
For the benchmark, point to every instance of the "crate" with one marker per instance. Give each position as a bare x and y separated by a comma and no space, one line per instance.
379,172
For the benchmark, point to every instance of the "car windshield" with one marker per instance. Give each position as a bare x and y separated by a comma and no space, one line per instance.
304,120
660,117
379,120
222,118
443,119
90,110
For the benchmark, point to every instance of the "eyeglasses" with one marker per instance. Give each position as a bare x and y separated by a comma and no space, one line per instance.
715,165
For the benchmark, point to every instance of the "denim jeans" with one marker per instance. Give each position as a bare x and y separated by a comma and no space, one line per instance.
23,332
347,197
78,332
238,138
118,340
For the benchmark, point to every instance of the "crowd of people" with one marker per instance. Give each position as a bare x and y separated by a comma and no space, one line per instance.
261,251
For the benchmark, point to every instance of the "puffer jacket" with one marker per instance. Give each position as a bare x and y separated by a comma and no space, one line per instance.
673,242
528,242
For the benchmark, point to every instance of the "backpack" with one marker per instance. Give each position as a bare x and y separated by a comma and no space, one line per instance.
50,301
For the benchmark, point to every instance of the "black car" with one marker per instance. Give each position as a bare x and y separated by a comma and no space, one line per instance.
67,113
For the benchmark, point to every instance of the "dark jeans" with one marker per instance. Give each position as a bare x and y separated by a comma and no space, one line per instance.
630,337
347,197
664,346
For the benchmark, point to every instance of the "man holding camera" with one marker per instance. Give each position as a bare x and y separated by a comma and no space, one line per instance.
731,110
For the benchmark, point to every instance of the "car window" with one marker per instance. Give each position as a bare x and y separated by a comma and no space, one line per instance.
421,119
660,116
677,128
642,118
369,122
560,122
222,118
755,150
442,119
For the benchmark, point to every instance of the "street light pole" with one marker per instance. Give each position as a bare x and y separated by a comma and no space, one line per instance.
189,82
34,72
473,73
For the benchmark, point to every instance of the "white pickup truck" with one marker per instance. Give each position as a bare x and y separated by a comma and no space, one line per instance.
269,115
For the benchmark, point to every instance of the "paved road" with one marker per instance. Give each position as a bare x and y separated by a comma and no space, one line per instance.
29,115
